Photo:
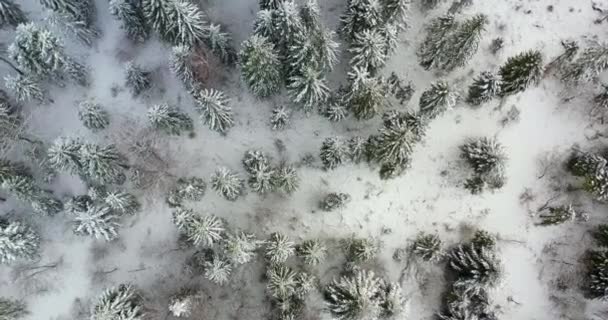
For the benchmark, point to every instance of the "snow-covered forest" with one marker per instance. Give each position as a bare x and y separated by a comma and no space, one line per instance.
303,159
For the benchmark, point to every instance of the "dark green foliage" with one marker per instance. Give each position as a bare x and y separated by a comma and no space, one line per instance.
485,87
520,72
462,303
596,285
558,215
487,158
435,46
360,15
334,201
476,267
427,247
437,99
137,80
359,249
464,42
334,152
131,15
260,66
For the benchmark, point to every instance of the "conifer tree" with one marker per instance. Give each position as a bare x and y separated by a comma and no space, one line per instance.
240,247
600,234
596,285
439,98
169,119
227,184
359,249
64,24
11,14
122,202
98,222
17,241
355,297
308,88
436,45
212,105
181,65
393,147
190,189
75,10
281,282
218,269
369,50
131,15
220,43
396,11
64,155
558,215
270,4
120,302
93,116
427,247
360,15
464,42
181,304
367,96
587,67
520,72
279,119
260,66
137,80
485,87
25,88
335,109
12,309
200,231
476,267
158,14
187,26
335,200
487,157
45,203
278,248
312,252
263,25
286,178
254,160
287,27
261,178
601,100
102,164
333,153
357,147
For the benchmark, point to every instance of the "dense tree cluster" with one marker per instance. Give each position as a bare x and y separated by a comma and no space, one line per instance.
487,158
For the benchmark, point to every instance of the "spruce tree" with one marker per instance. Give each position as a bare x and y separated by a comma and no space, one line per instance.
158,14
279,118
64,155
287,27
220,43
354,297
263,24
11,14
218,269
587,67
200,231
212,105
600,234
254,160
485,87
131,15
393,147
98,222
269,4
427,247
368,50
476,267
261,179
439,98
436,45
558,215
25,89
240,247
260,66
484,154
189,189
359,250
281,282
334,200
137,80
64,24
308,88
120,302
357,147
122,202
181,304
335,108
12,309
169,119
278,248
520,72
187,26
93,115
360,15
601,99
227,184
74,10
334,152
464,42
102,164
286,178
596,285
396,12
367,96
312,252
17,241
181,65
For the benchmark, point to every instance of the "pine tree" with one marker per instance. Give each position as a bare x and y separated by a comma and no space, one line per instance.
46,204
169,119
190,189
17,241
308,88
120,302
601,99
436,45
181,304
287,27
439,98
600,234
240,247
392,300
270,4
427,247
463,303
357,147
286,178
64,155
137,80
12,309
368,50
520,72
65,24
583,164
464,42
158,14
390,34
220,43
484,154
11,14
483,238
180,64
200,231
218,269
212,105
187,25
261,179
476,267
281,281
394,146
22,187
78,204
102,164
93,116
132,18
597,274
587,67
227,184
122,202
334,152
260,66
565,59
558,215
360,15
254,160
397,12
335,200
74,10
367,96
98,222
25,88
279,119
359,249
263,25
354,297
485,87
312,252
278,248
335,108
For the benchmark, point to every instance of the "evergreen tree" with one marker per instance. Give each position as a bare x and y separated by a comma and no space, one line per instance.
390,34
218,269
46,204
24,189
359,249
102,164
439,98
120,302
181,65
308,88
64,24
187,26
601,100
286,178
261,179
484,154
137,80
263,25
254,160
11,14
475,267
436,45
93,116
279,119
520,72
181,304
355,297
200,231
98,222
335,201
270,4
463,303
78,204
227,184
132,18
565,59
600,234
12,309
278,248
402,92
312,252
169,119
220,43
587,67
333,153
17,241
558,215
396,11
430,4
357,147
369,50
367,94
281,281
190,189
64,155
427,247
158,15
122,202
287,27
485,87
335,107
392,300
597,274
25,88
74,10
393,147
212,105
464,42
360,15
583,164
240,247
260,66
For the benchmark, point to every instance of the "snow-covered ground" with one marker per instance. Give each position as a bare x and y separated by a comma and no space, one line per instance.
429,197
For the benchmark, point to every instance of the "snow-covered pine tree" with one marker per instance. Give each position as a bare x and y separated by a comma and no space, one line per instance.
12,309
169,119
118,303
558,215
102,164
261,179
200,231
260,66
484,154
360,15
359,249
64,24
482,238
131,15
334,200
263,24
596,285
93,115
212,105
45,203
240,247
64,155
308,88
11,14
287,27
122,202
187,26
78,204
437,99
367,96
436,45
269,4
254,159
98,222
461,302
137,80
281,282
181,304
278,248
396,12
25,89
485,87
227,184
587,67
74,10
158,15
190,189
600,235
357,147
390,34
601,99
564,60
279,118
475,267
21,186
17,241
427,247
220,43
520,72
218,269
583,164
392,300
354,297
369,50
334,152
463,44
335,109
393,147
312,252
286,178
